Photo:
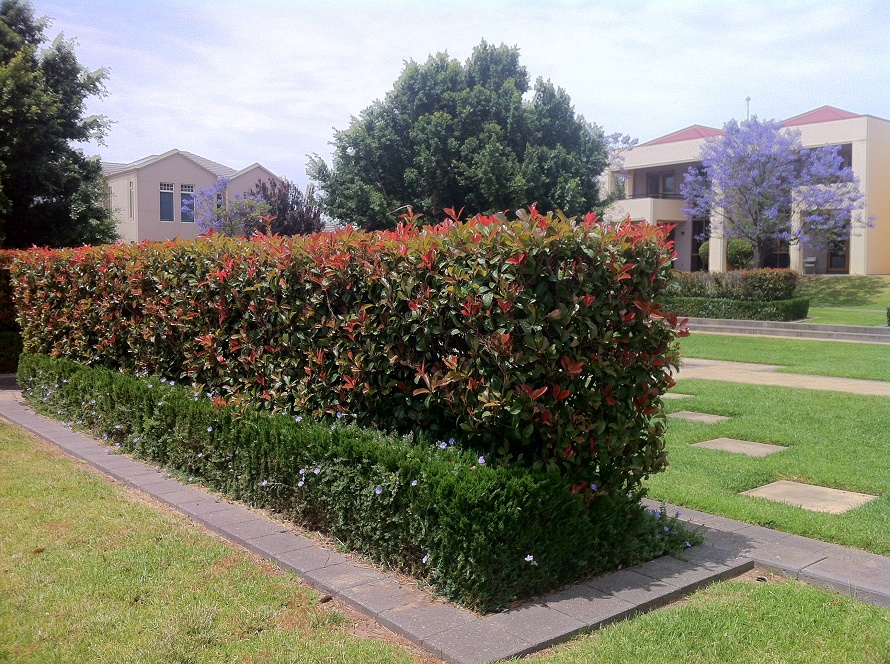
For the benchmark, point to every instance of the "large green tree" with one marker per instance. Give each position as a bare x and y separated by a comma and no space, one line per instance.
50,192
462,135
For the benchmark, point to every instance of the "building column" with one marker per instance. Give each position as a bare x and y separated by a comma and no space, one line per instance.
716,247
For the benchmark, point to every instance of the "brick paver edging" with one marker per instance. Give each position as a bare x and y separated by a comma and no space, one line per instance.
458,635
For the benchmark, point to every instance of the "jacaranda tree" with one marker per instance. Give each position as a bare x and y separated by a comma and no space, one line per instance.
461,135
213,208
757,175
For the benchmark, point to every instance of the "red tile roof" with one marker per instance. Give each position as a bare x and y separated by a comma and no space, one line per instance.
688,134
821,114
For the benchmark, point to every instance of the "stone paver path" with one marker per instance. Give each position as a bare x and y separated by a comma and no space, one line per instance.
704,418
811,497
736,446
765,374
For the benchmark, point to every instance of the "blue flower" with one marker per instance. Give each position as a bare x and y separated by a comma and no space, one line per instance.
300,483
378,490
482,461
666,529
317,471
209,428
425,559
264,483
687,544
413,482
298,418
339,415
442,445
529,558
593,487
302,471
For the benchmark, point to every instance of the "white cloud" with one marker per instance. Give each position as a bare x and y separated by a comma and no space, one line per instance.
269,81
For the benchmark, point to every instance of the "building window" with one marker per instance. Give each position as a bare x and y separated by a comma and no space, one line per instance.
661,185
166,201
132,200
187,202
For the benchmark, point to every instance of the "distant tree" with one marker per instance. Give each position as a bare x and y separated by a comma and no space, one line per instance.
213,208
461,135
50,192
757,174
294,212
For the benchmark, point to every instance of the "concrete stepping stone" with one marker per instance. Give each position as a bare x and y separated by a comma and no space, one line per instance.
676,395
704,418
811,497
736,446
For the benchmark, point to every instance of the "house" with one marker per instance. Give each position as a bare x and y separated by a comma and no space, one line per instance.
146,196
653,172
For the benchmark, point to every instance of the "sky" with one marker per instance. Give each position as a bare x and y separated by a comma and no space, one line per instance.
270,81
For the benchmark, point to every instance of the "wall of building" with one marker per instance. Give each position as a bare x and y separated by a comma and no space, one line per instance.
178,170
877,193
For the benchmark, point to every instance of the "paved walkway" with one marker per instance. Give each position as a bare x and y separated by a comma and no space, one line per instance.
458,635
766,374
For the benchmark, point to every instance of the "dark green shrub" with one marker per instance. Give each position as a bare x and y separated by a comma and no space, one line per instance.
739,253
10,338
704,254
10,349
763,285
432,510
704,307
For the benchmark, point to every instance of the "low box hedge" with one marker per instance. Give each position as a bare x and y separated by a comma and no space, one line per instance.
710,307
480,533
761,285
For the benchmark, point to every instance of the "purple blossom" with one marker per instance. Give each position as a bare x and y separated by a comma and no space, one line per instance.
687,544
757,175
593,487
317,471
482,461
425,559
298,418
529,558
300,483
264,483
442,445
378,490
413,482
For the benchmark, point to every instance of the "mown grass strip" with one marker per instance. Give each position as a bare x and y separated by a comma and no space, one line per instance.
743,623
90,574
821,358
836,440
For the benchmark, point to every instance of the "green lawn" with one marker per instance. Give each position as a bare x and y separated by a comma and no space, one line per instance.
93,575
821,358
742,623
836,440
846,291
837,316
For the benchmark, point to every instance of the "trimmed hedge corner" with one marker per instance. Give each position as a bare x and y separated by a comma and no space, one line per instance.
762,285
482,534
704,307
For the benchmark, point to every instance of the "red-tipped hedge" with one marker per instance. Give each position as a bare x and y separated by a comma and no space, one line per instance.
540,339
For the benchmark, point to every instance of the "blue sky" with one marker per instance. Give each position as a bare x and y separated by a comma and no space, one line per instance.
270,81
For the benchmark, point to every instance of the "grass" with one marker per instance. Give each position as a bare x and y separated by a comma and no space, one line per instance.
742,623
90,574
836,440
846,299
821,358
837,316
846,291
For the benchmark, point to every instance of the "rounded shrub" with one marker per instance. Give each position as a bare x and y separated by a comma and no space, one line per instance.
703,253
739,253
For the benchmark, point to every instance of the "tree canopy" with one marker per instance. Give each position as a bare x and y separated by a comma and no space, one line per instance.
755,176
293,211
50,192
453,135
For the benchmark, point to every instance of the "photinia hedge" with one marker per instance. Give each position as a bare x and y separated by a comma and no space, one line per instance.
541,339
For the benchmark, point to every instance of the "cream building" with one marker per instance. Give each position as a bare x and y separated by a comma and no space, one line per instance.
146,196
653,171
